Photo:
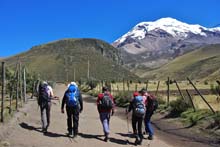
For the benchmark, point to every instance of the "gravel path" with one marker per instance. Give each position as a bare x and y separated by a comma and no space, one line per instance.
25,130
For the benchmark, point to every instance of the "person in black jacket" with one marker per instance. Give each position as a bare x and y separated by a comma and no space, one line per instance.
74,105
137,105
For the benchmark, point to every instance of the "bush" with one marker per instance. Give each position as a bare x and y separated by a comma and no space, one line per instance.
206,82
122,99
215,89
178,106
192,118
161,101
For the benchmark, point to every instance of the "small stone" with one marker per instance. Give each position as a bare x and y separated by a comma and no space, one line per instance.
5,144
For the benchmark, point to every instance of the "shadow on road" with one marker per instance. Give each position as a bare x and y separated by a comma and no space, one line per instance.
91,136
28,127
32,128
127,135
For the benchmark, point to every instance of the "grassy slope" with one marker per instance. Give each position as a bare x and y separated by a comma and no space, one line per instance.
198,64
56,60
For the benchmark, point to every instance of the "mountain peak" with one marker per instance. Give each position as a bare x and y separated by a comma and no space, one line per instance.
170,25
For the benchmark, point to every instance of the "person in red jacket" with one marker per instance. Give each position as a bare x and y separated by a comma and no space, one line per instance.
105,106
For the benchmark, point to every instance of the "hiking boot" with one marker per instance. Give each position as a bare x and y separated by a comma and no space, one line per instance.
75,133
70,134
136,140
106,139
150,137
44,130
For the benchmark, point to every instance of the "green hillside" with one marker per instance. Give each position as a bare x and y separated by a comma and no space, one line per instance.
58,60
202,63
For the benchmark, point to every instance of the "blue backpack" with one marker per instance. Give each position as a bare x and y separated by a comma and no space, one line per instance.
72,96
139,107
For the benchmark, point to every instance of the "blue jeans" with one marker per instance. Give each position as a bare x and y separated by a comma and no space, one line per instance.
148,126
105,118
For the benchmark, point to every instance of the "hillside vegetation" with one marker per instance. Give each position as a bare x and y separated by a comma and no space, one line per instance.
203,63
58,60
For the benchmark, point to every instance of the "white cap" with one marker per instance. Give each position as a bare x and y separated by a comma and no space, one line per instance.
44,82
72,83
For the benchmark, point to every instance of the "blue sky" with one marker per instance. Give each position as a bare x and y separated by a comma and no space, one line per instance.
26,23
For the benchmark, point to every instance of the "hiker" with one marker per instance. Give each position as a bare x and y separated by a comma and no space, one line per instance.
45,93
138,111
151,105
74,105
105,106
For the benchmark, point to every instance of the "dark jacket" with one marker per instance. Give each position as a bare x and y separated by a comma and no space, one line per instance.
65,98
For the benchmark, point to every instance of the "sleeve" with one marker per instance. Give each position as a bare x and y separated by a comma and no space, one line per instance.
98,101
80,101
130,106
51,91
113,101
63,101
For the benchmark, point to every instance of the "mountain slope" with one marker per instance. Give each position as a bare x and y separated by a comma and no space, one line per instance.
58,60
203,63
153,44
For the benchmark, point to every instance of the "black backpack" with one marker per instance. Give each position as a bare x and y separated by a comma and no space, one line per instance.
152,103
43,97
106,102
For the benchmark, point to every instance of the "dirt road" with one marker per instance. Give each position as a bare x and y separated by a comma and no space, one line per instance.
26,131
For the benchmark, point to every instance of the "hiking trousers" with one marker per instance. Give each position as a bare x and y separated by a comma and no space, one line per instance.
148,126
137,125
72,120
45,115
105,118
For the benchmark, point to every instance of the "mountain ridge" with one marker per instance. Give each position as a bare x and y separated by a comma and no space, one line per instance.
58,60
153,44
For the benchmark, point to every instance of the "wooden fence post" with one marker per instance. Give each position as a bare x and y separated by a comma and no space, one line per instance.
24,82
3,91
123,85
158,84
168,91
17,86
11,96
128,85
201,96
112,89
117,88
190,98
147,85
179,89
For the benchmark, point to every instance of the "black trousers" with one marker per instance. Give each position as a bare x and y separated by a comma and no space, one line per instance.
137,123
72,119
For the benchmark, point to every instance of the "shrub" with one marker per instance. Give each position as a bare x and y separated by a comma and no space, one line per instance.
215,89
178,106
122,98
192,118
206,82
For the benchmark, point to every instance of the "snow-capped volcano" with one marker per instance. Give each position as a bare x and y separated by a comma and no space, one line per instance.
172,26
164,38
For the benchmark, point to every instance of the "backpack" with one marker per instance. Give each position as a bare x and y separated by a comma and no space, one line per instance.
139,107
72,98
152,103
44,96
106,102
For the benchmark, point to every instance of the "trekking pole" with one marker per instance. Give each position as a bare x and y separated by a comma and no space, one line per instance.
127,125
127,119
